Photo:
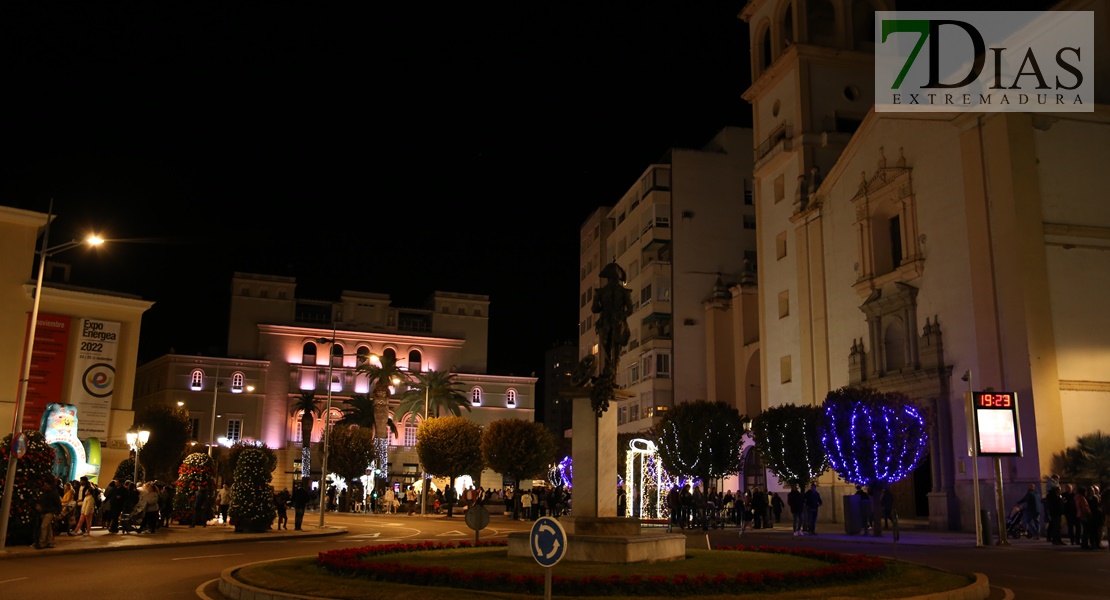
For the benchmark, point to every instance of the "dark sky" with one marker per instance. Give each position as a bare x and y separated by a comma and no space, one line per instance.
394,150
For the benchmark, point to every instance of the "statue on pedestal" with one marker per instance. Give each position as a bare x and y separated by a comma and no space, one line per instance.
612,305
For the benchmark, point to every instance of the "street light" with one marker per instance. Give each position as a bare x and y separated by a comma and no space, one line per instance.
215,395
423,473
137,439
327,425
25,380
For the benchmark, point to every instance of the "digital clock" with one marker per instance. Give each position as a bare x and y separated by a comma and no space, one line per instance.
987,400
997,427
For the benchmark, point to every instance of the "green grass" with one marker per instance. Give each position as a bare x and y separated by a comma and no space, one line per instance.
302,576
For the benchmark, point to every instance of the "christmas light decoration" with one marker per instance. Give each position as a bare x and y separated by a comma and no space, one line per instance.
873,437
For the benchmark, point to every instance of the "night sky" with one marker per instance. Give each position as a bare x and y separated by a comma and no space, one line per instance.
398,150
391,149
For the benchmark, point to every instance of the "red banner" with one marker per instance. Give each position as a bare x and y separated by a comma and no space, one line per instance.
48,364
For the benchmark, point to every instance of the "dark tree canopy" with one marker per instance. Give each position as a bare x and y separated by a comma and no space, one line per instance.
518,449
701,439
450,447
169,435
440,390
1087,462
350,452
788,441
873,438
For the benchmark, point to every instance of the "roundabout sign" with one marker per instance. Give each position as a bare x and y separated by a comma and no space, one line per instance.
548,541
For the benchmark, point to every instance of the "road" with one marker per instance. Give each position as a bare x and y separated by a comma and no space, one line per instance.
1027,569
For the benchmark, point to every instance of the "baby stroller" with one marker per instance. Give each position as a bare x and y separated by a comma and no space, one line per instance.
1014,527
130,521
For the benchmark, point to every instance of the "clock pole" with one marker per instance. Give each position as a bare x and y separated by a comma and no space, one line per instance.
973,438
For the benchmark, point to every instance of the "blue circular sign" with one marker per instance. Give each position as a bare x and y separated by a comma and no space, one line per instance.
548,541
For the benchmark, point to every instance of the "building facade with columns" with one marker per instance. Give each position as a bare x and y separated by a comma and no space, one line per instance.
901,251
280,345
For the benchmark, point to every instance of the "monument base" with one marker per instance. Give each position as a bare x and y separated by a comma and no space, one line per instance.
609,540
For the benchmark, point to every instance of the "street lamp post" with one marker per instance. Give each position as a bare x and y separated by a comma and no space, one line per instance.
215,395
25,380
136,440
423,473
327,425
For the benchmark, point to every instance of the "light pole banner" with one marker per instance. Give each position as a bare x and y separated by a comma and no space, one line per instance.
980,61
48,362
94,376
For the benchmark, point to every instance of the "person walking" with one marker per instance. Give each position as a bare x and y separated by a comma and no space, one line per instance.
410,500
113,505
813,502
281,504
48,505
87,504
390,500
1093,527
223,501
200,507
1054,508
1083,513
148,500
1030,505
300,502
776,507
796,503
886,504
1071,519
450,498
759,509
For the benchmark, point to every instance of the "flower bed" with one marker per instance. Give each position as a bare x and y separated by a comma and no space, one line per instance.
351,562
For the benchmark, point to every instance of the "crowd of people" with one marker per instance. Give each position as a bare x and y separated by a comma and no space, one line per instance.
76,507
692,507
1071,510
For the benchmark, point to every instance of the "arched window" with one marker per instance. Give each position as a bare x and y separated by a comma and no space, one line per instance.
414,361
391,353
510,398
237,382
362,355
476,396
196,380
894,344
337,356
308,354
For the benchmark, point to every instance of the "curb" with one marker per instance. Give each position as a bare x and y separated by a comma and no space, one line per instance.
165,543
231,588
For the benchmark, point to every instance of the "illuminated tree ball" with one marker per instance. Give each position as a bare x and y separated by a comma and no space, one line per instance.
873,437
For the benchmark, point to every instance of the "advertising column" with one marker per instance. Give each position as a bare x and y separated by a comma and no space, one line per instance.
48,363
94,376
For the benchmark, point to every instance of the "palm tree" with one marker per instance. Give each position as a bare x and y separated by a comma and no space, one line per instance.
360,412
308,403
440,389
382,374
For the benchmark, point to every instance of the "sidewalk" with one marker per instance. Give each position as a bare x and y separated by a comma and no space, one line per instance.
100,540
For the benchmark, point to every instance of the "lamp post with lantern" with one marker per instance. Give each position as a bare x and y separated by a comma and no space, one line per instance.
136,439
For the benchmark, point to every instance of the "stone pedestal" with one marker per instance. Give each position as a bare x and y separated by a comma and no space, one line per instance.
594,531
594,452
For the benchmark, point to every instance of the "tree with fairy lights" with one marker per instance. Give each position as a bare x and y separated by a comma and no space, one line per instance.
701,439
788,441
873,438
196,473
30,472
252,497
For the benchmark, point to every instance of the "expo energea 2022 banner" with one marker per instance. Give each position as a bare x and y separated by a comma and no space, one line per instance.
94,376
